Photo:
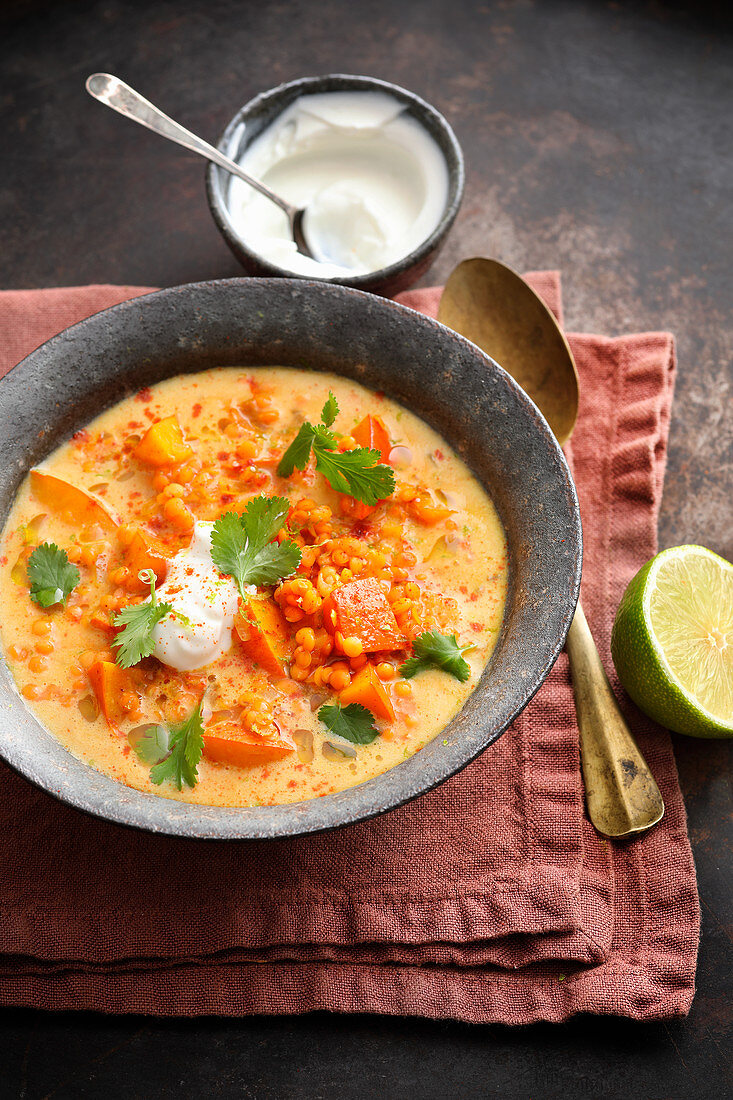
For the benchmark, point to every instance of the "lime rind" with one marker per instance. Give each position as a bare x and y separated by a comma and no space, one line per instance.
639,652
682,612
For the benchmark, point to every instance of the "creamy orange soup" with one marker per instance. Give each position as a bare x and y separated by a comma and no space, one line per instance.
430,558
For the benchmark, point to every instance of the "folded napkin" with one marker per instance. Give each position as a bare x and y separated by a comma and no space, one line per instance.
490,899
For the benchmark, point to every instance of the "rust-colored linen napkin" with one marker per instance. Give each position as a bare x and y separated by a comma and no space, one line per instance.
489,899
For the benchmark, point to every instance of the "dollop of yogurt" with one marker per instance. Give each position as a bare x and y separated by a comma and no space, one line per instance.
346,228
372,180
204,604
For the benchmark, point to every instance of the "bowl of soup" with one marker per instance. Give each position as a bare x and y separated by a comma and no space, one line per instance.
276,556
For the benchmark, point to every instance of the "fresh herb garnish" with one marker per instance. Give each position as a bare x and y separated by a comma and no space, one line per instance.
330,410
185,745
358,473
135,640
442,651
51,575
241,546
298,452
354,723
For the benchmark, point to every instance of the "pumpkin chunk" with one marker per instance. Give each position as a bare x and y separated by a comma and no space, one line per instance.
263,633
371,432
360,609
110,683
163,444
425,511
145,552
230,743
356,509
70,502
366,688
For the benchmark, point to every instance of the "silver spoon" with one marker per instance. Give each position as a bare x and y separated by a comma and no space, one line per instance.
121,97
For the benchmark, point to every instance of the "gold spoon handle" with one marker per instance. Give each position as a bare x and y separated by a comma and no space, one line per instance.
620,791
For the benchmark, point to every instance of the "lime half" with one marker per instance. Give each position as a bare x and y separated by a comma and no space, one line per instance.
672,641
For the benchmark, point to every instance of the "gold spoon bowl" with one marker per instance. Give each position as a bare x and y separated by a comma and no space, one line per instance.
495,308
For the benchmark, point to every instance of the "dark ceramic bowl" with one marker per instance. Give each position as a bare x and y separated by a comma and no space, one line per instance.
257,115
443,378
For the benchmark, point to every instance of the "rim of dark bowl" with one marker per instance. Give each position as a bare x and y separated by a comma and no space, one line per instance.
134,344
265,107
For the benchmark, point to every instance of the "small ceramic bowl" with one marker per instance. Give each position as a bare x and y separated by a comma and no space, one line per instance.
449,382
260,112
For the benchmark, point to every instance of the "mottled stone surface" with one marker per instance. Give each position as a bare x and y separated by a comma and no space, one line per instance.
598,140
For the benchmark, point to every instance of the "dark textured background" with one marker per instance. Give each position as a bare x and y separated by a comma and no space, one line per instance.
598,140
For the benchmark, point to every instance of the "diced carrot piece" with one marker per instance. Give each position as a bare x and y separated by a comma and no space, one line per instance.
264,633
102,621
424,511
109,682
366,688
70,502
163,444
360,609
230,743
356,509
371,432
145,552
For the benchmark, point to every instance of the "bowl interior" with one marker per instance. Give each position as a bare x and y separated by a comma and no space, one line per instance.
250,121
446,380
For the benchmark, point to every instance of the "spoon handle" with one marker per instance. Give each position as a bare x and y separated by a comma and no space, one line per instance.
620,791
121,97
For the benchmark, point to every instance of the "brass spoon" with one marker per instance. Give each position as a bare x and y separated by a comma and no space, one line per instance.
491,305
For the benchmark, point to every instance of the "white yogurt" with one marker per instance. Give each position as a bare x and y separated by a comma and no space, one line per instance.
374,184
205,602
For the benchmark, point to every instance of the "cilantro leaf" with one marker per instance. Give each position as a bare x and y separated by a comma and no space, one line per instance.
241,546
51,575
324,438
275,561
434,650
330,411
354,723
358,473
151,743
186,743
229,548
135,640
298,452
263,517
